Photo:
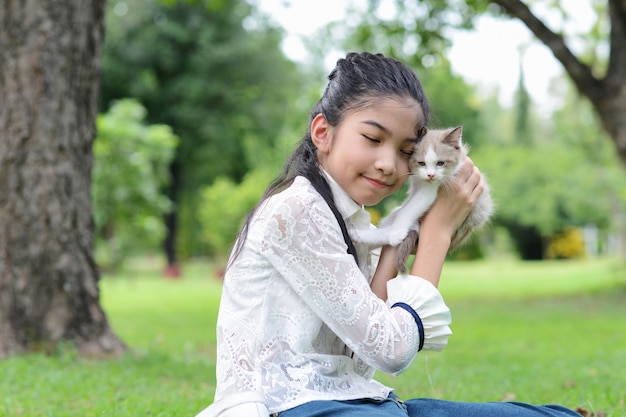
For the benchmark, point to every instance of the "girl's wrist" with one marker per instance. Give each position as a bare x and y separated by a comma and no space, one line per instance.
430,255
437,232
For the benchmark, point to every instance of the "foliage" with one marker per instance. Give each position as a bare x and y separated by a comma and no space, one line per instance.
538,187
566,175
213,71
414,30
453,102
474,249
225,205
130,172
527,311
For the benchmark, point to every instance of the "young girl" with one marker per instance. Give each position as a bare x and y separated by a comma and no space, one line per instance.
307,316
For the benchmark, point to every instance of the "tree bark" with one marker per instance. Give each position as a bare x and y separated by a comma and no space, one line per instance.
172,270
607,94
49,81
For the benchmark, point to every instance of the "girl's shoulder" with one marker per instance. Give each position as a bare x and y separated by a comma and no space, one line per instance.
300,211
300,192
299,198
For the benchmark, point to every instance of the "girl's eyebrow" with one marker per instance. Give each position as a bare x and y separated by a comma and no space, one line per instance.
378,126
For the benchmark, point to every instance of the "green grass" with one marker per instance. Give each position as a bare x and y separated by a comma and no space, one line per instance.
544,332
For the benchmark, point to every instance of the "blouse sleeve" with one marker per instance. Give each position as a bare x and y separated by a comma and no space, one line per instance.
302,240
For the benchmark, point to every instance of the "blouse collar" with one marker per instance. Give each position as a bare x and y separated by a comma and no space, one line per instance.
346,205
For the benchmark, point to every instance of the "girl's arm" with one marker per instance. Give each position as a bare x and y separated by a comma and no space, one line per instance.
436,229
298,241
385,271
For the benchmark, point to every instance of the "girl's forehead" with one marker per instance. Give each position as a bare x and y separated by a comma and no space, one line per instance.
396,107
392,102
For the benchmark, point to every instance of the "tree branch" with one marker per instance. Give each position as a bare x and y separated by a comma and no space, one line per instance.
580,73
616,72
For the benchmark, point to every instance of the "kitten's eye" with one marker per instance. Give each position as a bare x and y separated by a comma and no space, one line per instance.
440,163
421,163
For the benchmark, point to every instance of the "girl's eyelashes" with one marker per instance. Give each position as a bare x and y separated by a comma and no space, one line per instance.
408,152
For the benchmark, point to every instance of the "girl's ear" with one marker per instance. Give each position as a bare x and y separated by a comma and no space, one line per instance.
320,133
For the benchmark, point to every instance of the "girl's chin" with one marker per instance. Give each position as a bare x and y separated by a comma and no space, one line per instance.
371,201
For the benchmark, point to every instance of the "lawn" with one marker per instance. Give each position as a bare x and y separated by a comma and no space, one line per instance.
543,332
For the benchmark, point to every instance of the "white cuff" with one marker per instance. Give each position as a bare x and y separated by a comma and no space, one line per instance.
427,302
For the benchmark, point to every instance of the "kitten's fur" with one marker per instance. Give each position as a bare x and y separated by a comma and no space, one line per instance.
437,157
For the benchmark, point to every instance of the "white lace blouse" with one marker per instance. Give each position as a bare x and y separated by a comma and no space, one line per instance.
298,321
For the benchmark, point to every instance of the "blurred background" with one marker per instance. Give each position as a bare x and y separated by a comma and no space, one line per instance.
202,101
200,104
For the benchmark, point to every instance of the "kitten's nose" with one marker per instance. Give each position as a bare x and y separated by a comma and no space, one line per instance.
431,176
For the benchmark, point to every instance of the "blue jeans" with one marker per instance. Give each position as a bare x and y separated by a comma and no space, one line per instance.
423,407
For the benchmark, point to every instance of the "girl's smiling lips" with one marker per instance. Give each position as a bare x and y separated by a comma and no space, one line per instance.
376,183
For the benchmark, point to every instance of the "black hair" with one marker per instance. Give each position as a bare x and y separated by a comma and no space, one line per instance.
353,83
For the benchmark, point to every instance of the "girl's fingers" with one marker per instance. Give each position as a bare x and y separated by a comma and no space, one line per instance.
470,180
466,169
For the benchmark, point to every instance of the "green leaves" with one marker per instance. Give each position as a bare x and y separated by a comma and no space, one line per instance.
129,175
225,205
197,67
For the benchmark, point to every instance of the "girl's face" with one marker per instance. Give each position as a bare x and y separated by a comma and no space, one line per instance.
368,152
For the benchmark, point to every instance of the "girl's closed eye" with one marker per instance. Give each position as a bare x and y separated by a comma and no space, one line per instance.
371,139
408,151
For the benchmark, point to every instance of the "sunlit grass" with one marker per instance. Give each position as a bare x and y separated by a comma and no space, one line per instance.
544,332
522,279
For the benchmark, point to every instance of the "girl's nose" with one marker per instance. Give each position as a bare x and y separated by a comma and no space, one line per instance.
386,162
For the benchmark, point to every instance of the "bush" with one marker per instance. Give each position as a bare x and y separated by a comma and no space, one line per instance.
131,169
569,244
472,250
225,206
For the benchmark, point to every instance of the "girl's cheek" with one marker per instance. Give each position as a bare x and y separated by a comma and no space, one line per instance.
403,169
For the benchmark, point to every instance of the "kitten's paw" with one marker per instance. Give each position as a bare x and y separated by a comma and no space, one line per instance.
397,236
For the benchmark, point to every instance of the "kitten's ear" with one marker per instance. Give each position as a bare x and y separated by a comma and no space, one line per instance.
454,137
320,133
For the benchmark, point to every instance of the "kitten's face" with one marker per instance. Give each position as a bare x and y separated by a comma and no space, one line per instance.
437,155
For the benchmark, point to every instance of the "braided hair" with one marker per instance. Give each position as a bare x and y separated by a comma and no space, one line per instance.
355,82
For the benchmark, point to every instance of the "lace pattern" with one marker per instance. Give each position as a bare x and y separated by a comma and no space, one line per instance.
298,321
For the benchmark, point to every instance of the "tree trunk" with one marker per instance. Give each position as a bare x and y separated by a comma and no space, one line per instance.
172,270
49,79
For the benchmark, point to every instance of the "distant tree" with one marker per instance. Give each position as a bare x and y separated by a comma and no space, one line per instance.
453,101
522,111
601,84
215,73
49,69
570,176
